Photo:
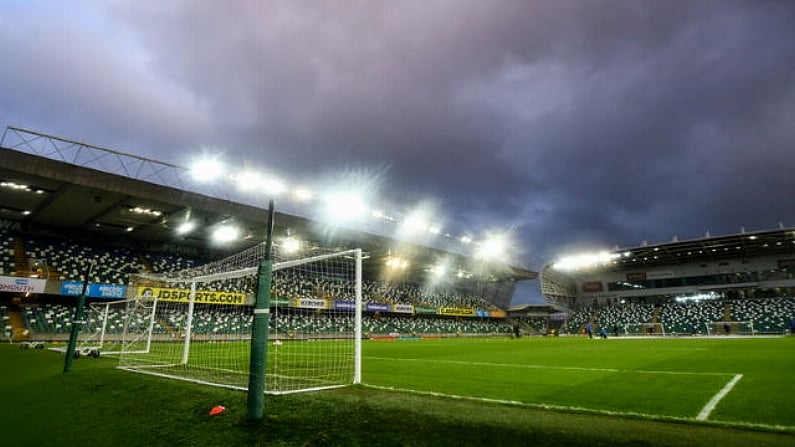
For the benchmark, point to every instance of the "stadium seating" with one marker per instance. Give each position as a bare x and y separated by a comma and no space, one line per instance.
767,315
690,317
7,262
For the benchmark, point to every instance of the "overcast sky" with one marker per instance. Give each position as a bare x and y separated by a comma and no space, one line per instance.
573,124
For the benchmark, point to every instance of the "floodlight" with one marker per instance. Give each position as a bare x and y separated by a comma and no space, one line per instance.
186,227
415,223
345,206
290,245
584,260
226,233
397,263
493,247
302,194
207,169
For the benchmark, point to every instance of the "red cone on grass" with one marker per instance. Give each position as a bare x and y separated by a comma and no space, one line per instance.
218,409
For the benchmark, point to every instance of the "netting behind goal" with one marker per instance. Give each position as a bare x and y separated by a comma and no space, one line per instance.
105,323
730,328
203,321
644,329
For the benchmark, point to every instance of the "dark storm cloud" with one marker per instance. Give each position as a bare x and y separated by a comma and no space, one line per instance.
573,123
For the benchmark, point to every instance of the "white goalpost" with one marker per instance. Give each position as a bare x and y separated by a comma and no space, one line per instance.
202,323
105,322
730,328
647,329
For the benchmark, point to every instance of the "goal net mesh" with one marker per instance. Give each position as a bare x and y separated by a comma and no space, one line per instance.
203,318
644,329
730,328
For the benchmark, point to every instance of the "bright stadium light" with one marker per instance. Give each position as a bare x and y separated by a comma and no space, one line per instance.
584,260
186,227
303,194
345,206
207,169
414,223
226,233
273,185
493,247
290,245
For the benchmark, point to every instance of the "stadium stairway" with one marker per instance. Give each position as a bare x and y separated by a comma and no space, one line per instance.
21,260
655,317
727,311
18,330
169,328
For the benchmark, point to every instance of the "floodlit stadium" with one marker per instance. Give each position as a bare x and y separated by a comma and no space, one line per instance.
739,284
162,292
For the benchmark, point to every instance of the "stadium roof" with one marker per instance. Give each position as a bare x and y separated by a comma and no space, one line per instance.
94,196
780,241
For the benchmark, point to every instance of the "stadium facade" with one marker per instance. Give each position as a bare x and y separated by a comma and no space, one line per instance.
744,265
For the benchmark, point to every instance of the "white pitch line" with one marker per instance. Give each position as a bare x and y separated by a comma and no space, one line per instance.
704,414
570,368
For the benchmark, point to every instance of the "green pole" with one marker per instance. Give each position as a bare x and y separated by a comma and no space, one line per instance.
77,321
260,329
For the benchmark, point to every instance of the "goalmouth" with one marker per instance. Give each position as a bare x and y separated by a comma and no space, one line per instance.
730,328
644,329
203,317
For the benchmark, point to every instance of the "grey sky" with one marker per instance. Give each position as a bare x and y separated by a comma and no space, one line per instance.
577,124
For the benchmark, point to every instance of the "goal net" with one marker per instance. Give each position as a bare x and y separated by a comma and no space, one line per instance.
203,323
730,328
639,329
105,322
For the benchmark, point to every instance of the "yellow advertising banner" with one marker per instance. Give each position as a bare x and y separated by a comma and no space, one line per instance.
457,311
202,296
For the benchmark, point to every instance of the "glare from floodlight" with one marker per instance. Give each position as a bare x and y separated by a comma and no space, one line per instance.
420,221
493,247
226,233
584,260
439,270
273,185
397,263
290,245
186,227
207,169
414,223
345,206
465,239
302,194
247,180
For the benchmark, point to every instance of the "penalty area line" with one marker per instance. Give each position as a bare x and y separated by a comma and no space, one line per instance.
704,414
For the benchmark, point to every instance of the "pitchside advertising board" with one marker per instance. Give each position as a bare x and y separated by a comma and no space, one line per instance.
118,291
22,285
107,291
202,296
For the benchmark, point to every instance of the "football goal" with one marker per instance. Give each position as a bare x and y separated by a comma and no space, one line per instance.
203,317
105,322
649,329
730,328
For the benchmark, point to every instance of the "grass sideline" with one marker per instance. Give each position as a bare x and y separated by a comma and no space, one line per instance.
96,404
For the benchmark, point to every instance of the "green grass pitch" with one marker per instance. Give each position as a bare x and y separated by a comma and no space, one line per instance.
539,391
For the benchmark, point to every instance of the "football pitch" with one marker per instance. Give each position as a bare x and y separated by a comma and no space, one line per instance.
745,382
488,391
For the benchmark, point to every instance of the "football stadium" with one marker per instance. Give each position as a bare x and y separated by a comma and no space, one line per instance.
137,307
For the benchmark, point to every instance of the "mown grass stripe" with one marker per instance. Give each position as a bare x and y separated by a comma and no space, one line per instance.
551,367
